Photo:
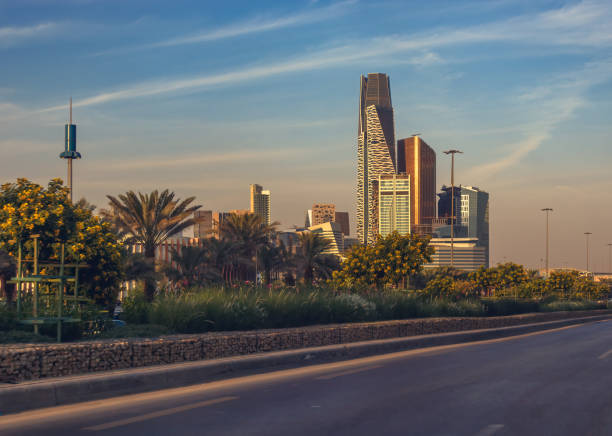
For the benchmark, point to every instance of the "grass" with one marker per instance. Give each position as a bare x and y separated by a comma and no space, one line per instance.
216,309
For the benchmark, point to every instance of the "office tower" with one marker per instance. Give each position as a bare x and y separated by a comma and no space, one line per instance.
416,158
333,233
260,203
471,212
393,204
467,254
323,213
375,149
203,226
342,218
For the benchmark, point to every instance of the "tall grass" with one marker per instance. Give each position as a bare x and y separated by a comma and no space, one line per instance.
218,309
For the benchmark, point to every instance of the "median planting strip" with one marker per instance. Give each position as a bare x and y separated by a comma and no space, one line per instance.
66,390
21,362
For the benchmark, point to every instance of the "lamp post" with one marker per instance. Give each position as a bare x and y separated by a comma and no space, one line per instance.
547,210
452,153
610,258
587,234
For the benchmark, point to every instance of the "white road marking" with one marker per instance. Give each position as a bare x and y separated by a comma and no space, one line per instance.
152,415
490,430
349,372
606,354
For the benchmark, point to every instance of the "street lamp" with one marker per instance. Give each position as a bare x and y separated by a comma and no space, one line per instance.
610,258
547,210
452,153
587,234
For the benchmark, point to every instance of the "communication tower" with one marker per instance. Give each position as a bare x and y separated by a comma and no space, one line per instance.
70,152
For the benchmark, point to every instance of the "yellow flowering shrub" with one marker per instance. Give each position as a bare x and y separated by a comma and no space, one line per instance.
27,208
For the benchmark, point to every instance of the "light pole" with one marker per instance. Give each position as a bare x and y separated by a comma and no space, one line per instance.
452,153
610,258
587,234
547,210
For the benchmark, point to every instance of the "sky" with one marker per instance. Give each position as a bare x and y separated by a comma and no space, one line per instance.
205,98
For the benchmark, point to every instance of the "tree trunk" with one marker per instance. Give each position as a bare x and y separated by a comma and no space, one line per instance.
149,284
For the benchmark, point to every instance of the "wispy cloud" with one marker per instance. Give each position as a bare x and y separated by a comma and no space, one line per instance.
584,24
550,105
200,159
254,25
10,36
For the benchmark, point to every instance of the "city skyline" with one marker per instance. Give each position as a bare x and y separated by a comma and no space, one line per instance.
524,90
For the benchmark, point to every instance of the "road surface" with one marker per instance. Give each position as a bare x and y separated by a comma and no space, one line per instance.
547,383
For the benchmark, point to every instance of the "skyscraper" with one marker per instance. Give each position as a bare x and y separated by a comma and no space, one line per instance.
416,158
375,150
472,212
393,204
260,202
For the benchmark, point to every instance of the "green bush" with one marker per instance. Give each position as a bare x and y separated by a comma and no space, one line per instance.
21,336
557,306
507,306
134,331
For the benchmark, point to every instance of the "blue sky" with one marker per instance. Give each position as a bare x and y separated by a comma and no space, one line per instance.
207,97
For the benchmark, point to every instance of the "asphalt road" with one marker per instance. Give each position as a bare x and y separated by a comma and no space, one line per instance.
547,383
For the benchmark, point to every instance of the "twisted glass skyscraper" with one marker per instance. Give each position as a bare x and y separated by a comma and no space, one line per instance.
375,150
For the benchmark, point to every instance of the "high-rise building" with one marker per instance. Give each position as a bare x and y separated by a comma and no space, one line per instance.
375,150
416,158
323,213
471,212
468,255
342,218
393,204
333,233
260,202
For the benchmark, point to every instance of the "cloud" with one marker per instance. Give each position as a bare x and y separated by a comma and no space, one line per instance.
251,26
549,105
582,25
10,36
200,159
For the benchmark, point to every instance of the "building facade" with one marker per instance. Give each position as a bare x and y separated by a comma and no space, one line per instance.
203,226
342,218
333,233
416,158
471,212
467,254
260,203
323,213
393,204
375,150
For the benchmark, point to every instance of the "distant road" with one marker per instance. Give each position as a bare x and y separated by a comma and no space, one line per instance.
547,383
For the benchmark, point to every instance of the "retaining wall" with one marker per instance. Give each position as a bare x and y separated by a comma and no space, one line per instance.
34,361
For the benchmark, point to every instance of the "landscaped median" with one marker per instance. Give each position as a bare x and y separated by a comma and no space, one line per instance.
38,361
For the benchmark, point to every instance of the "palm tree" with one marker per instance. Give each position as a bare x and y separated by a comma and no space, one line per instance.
272,258
150,219
249,232
8,269
191,266
222,255
312,255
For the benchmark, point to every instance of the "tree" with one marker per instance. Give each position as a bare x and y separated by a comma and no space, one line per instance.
7,271
311,255
271,258
191,266
150,219
27,209
222,255
249,233
390,261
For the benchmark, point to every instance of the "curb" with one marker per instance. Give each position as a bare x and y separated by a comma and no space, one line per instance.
67,390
